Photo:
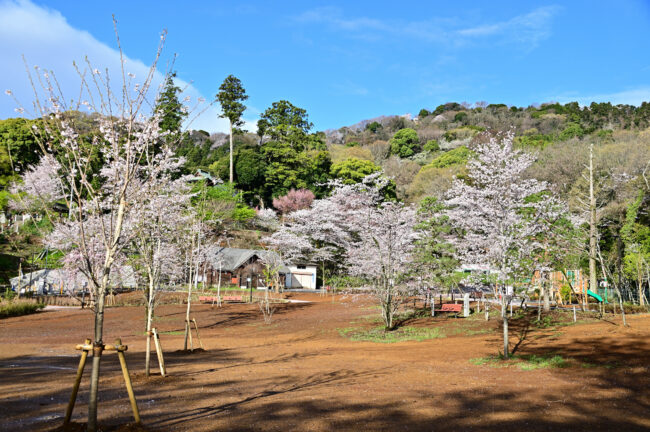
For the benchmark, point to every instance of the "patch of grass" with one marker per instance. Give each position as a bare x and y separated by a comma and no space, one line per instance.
542,362
527,362
172,333
587,365
401,334
489,360
18,308
468,329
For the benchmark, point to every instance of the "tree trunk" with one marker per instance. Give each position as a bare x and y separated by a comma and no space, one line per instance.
147,358
504,315
219,286
232,175
639,278
547,300
98,347
593,280
187,313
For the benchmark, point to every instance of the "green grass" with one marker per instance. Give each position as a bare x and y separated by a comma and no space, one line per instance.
523,362
173,333
226,288
18,308
472,332
586,365
542,362
380,335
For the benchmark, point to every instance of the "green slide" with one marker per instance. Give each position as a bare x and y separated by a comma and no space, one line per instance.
594,295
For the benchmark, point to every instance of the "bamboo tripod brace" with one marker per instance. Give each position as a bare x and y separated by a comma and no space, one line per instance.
85,348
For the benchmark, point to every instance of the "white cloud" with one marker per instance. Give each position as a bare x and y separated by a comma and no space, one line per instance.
633,96
46,39
528,29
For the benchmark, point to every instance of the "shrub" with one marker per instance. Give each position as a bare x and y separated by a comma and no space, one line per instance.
565,293
457,156
404,143
432,146
373,127
572,130
18,308
460,117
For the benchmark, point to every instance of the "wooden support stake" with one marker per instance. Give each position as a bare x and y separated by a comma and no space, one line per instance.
574,314
196,327
127,379
77,382
189,334
159,352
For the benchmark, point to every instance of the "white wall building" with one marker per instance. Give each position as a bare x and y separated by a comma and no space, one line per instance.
301,276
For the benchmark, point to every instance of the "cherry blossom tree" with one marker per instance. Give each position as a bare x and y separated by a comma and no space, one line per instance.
374,239
267,219
157,224
488,208
321,232
133,153
40,187
294,200
383,253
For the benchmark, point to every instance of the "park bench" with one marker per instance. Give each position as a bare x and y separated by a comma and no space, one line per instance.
450,307
233,298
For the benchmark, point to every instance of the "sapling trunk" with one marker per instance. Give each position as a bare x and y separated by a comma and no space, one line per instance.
187,313
506,354
98,346
147,359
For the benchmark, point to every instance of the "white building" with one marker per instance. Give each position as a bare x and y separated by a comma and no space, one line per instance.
301,276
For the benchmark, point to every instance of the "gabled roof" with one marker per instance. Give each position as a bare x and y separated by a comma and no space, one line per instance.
123,276
230,259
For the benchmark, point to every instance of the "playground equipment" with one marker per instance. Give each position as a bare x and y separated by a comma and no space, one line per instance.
596,296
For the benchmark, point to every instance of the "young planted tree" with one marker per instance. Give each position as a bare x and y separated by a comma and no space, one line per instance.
383,251
102,201
158,222
231,95
96,236
488,209
272,263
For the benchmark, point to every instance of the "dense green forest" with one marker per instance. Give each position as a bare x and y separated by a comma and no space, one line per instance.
421,154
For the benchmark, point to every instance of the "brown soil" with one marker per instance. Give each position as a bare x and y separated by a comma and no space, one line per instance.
299,373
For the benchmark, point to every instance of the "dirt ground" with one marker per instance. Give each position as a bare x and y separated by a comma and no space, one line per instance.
300,374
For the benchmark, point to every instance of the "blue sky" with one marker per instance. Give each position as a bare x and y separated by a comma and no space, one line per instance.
348,61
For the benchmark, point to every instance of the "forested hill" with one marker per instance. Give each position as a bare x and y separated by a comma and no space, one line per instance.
423,153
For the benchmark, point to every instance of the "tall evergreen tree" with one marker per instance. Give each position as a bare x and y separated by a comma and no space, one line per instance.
230,96
170,108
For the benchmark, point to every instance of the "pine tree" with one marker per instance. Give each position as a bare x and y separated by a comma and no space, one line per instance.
230,96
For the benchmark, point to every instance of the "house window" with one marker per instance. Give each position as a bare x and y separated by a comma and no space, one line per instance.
301,266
